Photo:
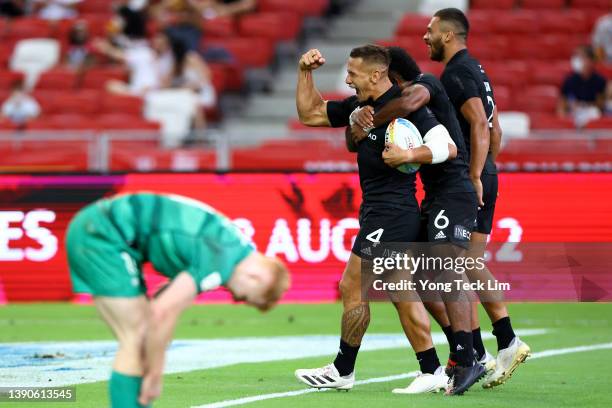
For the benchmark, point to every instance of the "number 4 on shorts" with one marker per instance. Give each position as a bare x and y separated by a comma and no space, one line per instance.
375,235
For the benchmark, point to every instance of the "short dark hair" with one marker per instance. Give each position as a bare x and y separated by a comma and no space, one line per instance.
457,18
588,51
372,53
403,64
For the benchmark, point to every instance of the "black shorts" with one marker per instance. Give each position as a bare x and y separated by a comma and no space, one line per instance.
484,221
384,225
449,217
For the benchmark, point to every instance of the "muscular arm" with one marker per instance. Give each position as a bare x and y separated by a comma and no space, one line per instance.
413,97
312,109
473,111
351,146
496,135
165,310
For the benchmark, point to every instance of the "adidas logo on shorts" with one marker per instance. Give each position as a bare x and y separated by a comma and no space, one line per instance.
366,251
440,235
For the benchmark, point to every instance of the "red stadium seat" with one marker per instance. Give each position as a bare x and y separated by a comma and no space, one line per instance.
507,73
492,5
219,27
63,122
218,74
489,47
126,105
413,45
549,121
601,123
273,25
602,4
549,72
537,98
502,97
58,78
302,7
96,78
249,52
514,22
29,28
78,103
542,4
118,121
481,22
412,24
605,70
95,7
564,22
8,78
431,67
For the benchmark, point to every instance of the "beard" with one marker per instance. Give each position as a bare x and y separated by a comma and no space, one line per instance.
437,51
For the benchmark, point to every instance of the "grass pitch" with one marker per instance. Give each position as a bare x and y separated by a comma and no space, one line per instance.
574,378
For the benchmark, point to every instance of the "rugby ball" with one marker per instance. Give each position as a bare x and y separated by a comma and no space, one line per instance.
404,134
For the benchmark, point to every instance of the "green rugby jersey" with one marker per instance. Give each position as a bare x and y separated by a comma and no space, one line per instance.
176,234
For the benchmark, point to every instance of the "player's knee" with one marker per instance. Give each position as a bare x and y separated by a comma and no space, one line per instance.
349,288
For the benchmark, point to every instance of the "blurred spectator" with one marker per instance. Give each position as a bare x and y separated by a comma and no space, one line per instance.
602,38
583,91
182,20
189,71
20,107
146,67
56,9
12,8
78,54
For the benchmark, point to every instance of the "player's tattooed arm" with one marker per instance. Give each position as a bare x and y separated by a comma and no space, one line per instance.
311,108
355,323
496,136
413,97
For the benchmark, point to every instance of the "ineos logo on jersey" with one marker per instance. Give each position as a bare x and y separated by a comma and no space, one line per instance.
30,224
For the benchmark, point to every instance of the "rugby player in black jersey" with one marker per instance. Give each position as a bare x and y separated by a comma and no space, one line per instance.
471,93
389,211
448,211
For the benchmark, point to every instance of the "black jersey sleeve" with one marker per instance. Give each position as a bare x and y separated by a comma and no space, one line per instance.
430,83
424,120
460,86
338,112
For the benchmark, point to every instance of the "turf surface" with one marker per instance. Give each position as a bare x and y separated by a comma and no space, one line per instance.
569,380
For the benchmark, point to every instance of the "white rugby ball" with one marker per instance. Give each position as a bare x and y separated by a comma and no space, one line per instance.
404,134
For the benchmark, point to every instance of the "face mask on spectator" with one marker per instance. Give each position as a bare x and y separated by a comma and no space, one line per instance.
577,64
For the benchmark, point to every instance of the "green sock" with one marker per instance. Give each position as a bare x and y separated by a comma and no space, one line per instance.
124,390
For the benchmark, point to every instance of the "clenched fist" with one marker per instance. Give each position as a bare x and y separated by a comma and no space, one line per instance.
311,60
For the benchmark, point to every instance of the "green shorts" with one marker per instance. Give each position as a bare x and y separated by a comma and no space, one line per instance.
101,262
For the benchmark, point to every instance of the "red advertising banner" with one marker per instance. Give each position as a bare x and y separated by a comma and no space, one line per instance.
308,220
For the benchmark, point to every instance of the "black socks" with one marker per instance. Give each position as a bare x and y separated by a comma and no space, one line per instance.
428,360
502,330
345,360
464,348
478,346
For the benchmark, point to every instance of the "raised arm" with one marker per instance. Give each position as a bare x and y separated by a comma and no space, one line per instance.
312,109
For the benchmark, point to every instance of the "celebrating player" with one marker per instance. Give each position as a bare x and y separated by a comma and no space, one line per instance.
198,248
448,211
389,212
471,93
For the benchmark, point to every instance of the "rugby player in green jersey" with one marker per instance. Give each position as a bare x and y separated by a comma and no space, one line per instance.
192,244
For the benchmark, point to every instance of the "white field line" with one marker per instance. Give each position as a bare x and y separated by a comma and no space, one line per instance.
263,397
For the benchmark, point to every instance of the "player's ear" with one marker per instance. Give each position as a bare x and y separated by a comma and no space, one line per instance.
375,77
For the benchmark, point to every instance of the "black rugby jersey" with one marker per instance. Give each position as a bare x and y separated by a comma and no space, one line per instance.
381,185
464,78
451,176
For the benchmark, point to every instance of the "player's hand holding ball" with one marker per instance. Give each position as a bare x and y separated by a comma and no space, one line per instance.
395,156
311,60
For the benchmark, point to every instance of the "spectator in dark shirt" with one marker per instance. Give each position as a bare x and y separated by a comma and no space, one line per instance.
583,91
